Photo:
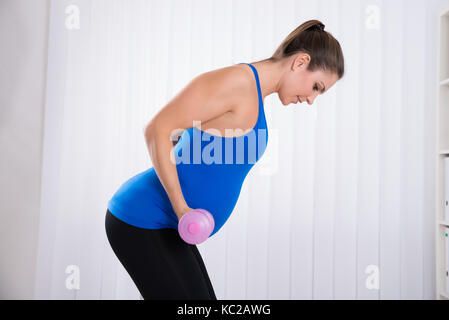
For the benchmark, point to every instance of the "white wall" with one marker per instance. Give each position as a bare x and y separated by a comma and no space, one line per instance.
23,62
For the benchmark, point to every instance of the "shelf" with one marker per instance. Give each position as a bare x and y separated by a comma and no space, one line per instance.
444,223
442,125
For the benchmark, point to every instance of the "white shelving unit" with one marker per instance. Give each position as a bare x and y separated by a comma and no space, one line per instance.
442,149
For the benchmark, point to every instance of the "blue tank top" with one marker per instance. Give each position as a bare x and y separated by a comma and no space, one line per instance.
211,170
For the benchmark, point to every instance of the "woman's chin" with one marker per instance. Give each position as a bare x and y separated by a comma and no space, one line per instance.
282,101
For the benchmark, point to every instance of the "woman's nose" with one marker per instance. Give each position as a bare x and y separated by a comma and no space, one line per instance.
311,99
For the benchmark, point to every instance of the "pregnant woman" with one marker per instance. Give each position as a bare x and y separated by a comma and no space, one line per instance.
208,165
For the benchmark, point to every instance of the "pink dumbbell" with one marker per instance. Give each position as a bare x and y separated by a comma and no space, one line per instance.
196,226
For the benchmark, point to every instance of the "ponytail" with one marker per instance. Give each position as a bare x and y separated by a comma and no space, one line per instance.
311,38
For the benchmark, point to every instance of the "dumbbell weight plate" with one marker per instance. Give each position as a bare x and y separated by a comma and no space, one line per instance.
209,216
193,230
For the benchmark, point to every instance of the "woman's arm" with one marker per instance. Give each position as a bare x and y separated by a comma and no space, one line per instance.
207,96
159,146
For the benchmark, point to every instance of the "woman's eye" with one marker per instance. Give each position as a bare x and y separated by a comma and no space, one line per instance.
315,88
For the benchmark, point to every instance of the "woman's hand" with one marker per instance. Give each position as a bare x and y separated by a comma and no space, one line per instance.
182,211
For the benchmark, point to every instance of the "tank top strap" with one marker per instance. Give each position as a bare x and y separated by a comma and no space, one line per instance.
256,75
261,112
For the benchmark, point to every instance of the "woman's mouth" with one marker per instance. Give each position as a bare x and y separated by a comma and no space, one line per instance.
298,99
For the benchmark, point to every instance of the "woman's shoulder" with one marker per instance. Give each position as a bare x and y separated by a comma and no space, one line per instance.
239,82
237,76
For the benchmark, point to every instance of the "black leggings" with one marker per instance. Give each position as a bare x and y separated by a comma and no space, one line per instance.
159,262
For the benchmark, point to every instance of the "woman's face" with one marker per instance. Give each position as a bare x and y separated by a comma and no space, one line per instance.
298,83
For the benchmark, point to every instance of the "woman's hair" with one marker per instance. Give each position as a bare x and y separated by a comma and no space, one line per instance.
311,38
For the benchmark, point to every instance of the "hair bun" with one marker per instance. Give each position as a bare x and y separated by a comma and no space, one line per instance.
319,27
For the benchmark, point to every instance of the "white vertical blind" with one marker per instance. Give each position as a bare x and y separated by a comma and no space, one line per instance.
343,193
